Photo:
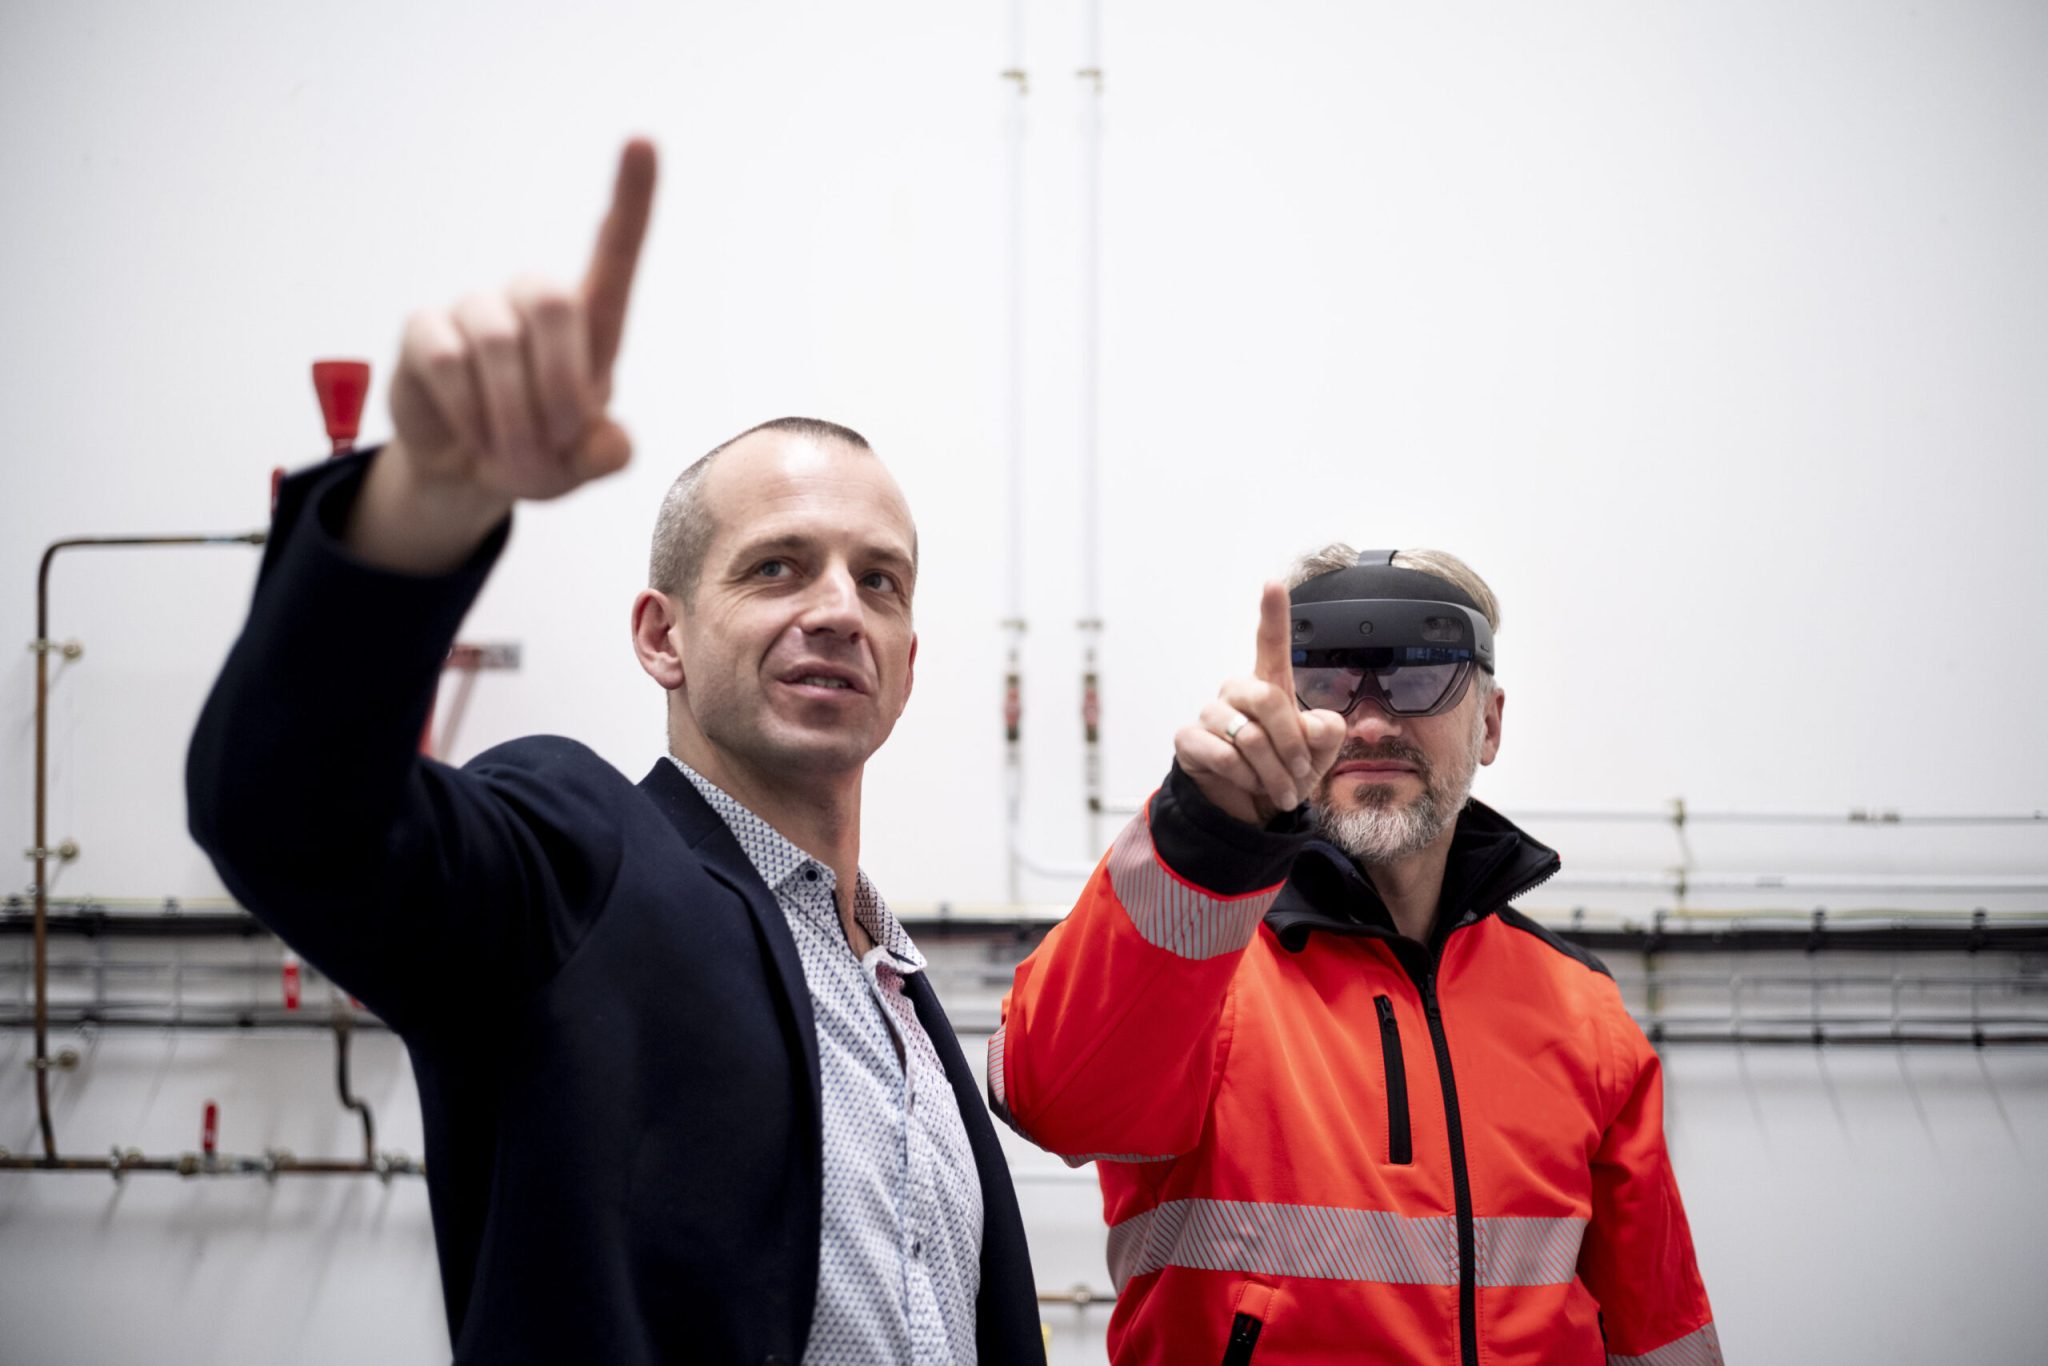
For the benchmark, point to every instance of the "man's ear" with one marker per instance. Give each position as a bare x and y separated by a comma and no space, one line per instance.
655,617
1495,705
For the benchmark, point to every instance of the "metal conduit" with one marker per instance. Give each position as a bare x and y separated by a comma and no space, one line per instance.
1831,998
1680,815
1691,930
273,1163
150,1015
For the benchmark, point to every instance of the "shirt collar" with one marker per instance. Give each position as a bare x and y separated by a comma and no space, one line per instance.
779,861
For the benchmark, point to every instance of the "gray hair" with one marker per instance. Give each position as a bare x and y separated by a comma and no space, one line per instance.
683,529
1441,563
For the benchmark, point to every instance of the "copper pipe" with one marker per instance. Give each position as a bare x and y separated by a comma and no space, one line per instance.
42,646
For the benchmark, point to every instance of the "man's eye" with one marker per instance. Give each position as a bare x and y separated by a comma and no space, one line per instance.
772,569
880,580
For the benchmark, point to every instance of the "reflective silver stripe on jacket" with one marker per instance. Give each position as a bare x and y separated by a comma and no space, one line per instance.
1083,1159
1700,1348
1377,1246
1172,915
998,1087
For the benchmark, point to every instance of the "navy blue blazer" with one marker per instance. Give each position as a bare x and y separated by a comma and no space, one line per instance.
604,1007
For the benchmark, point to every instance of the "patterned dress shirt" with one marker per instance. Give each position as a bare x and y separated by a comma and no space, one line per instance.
900,1263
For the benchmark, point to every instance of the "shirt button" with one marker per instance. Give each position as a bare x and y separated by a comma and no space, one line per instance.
810,875
917,1248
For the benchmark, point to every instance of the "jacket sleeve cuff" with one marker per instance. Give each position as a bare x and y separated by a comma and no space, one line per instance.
313,507
326,630
1214,850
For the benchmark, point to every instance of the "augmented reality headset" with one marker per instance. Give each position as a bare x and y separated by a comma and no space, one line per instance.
1402,638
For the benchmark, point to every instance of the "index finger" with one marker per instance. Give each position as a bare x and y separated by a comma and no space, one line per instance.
1276,634
609,282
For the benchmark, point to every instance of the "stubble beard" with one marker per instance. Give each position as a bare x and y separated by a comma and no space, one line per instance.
1378,828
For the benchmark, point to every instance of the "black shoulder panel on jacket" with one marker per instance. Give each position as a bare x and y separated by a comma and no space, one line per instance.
1510,916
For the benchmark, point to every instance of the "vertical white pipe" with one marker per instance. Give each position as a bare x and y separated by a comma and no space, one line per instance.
1090,623
1090,76
1013,395
1013,454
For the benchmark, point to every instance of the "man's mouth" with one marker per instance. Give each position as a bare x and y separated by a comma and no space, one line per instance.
833,680
1362,765
1372,768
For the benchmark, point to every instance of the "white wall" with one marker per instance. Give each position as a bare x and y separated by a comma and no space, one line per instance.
1712,334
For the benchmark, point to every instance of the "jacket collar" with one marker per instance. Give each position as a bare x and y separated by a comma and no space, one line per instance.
712,841
1491,862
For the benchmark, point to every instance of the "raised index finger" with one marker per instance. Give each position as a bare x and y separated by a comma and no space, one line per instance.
1276,640
609,283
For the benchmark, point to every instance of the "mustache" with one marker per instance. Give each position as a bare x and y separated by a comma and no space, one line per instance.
1386,751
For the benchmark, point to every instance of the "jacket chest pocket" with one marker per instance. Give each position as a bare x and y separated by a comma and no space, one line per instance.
1400,1145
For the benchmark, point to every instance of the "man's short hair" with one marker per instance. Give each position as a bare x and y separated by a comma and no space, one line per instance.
1442,563
683,529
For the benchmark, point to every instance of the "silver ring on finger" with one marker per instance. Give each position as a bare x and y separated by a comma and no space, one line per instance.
1237,722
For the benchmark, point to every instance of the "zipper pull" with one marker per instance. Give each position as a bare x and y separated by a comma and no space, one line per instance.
1385,1005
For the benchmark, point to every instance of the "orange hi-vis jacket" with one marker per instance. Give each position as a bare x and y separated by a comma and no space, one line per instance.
1319,1141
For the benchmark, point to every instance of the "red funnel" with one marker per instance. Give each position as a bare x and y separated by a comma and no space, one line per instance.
342,386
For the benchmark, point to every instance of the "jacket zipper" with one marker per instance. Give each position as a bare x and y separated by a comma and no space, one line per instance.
1423,971
1244,1335
1461,1181
1454,1127
1400,1145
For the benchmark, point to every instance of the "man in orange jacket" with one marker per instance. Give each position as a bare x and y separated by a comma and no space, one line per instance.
1347,1103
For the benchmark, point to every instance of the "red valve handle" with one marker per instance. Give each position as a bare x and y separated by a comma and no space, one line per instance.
342,385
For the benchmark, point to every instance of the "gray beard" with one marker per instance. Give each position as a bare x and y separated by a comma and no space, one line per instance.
1376,831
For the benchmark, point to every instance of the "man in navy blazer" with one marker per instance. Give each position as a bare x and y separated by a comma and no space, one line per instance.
659,1126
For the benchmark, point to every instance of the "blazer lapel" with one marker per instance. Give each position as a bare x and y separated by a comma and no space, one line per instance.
981,1132
711,840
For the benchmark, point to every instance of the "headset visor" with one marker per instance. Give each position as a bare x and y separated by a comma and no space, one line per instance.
1418,680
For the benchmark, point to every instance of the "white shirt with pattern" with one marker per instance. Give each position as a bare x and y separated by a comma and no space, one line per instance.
899,1264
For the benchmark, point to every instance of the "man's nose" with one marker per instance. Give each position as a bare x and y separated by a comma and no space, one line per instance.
1370,721
833,604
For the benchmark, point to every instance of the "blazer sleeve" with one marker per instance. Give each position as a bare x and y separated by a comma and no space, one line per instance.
1111,1033
1637,1258
416,886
